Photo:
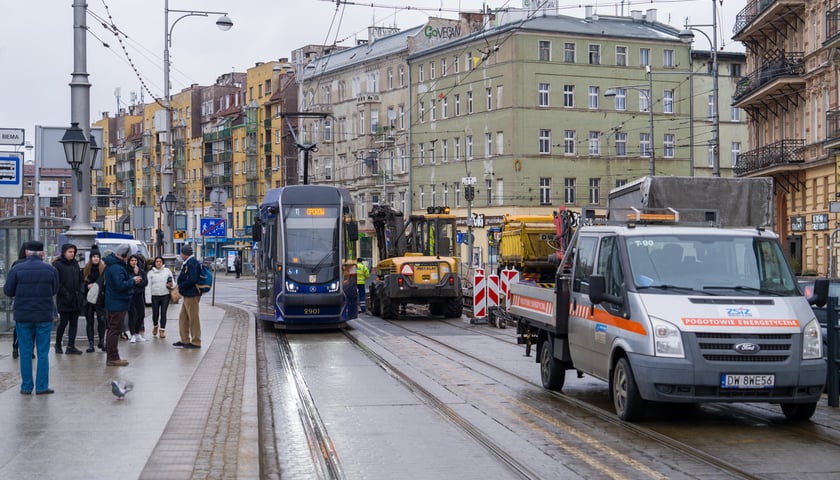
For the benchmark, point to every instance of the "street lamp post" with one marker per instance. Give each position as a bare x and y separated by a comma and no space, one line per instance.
166,181
688,37
611,92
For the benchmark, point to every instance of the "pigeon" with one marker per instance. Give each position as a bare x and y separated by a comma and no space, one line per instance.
120,388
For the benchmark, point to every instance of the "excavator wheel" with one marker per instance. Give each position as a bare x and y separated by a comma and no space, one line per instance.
454,308
374,302
390,310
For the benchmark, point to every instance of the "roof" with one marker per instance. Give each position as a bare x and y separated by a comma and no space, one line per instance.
381,47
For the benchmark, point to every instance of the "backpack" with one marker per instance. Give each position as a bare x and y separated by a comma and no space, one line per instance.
205,280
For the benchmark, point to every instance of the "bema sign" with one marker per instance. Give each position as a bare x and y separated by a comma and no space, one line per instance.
11,136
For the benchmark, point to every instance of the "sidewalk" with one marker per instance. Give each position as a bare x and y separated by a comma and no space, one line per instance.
192,413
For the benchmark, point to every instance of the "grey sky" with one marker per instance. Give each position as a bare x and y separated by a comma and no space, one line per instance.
36,43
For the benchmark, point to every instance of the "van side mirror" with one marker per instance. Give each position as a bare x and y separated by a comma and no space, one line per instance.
820,292
598,291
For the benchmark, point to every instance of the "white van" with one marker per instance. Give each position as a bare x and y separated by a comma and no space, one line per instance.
107,245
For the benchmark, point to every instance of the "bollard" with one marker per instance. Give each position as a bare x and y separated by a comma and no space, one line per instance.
832,354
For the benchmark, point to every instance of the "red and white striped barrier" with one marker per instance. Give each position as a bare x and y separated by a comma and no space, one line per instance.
509,276
492,291
479,294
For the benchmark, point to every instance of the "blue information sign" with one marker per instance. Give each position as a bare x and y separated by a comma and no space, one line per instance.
213,227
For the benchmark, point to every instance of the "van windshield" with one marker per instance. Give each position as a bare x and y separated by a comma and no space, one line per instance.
709,264
136,247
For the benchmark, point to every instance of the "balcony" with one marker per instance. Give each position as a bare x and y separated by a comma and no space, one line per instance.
776,76
368,98
217,181
766,14
267,148
218,135
832,28
832,129
267,123
785,152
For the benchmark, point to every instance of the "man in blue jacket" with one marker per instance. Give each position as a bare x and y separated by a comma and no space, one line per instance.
33,283
188,323
119,286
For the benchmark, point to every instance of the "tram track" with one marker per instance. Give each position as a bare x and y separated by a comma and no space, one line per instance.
727,468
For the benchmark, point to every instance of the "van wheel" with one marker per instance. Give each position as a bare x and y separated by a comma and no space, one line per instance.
628,403
798,412
552,373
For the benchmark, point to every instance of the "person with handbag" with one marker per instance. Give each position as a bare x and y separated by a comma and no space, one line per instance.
160,284
70,299
94,269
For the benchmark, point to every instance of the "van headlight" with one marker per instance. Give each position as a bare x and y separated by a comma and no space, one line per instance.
667,340
812,341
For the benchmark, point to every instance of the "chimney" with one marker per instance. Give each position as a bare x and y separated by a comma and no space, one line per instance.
636,15
588,9
650,15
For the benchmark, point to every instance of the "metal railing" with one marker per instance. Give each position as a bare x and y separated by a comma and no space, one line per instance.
791,64
778,153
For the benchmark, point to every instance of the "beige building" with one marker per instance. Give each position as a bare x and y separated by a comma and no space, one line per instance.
789,94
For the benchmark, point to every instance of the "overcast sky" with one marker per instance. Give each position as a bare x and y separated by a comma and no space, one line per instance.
36,43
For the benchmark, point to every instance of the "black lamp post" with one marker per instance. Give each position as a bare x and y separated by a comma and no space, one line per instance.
75,148
94,152
169,203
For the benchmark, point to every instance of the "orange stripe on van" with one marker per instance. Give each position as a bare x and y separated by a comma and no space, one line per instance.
602,316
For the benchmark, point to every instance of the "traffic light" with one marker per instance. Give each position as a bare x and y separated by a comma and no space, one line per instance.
469,193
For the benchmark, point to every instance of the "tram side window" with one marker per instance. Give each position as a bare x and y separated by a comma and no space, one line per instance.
584,263
610,267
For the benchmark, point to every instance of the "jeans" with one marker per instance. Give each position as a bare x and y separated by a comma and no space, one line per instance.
40,331
116,324
361,296
160,304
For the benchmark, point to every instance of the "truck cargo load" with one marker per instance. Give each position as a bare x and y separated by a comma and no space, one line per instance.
723,202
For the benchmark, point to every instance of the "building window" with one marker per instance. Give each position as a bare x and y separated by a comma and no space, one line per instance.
620,144
445,107
456,63
433,194
543,90
421,154
621,56
544,51
621,99
445,194
594,143
594,191
469,103
594,93
569,52
456,190
734,112
432,110
545,191
736,151
488,145
488,187
545,141
444,150
489,94
594,54
402,117
421,73
390,79
469,147
644,57
668,101
432,158
644,144
568,96
644,100
711,107
734,70
500,96
668,58
422,107
569,191
500,191
422,196
431,70
402,76
569,142
668,145
711,151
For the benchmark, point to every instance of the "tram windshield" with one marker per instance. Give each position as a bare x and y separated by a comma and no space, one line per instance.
311,246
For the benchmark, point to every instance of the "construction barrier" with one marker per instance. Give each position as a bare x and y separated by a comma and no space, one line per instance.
509,276
492,291
479,294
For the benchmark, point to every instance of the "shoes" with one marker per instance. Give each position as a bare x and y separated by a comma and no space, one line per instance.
191,345
124,336
140,337
162,333
90,348
15,352
101,345
179,344
24,392
72,350
58,349
133,339
155,331
117,363
47,391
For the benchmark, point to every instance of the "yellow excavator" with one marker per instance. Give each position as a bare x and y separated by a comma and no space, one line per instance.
416,263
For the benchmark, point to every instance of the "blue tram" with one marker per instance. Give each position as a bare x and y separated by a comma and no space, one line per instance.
306,257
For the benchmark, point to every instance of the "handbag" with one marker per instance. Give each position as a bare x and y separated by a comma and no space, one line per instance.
174,294
93,293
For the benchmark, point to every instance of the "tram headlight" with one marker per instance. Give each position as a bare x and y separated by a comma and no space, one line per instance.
812,341
667,339
291,286
333,287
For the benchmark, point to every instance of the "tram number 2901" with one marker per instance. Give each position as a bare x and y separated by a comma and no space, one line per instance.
311,311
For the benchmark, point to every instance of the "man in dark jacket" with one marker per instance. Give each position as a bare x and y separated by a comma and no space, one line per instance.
119,286
70,299
188,323
33,284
